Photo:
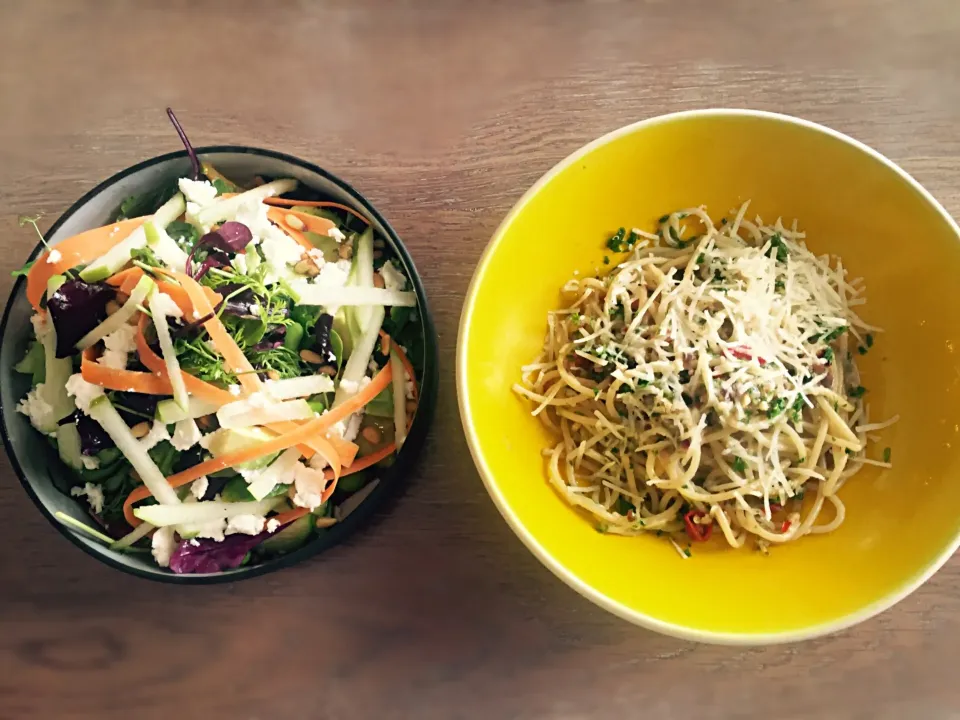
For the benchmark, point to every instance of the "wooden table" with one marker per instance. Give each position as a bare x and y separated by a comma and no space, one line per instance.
443,113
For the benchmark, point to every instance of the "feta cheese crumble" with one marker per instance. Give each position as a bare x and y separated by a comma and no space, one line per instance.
93,494
119,344
201,192
82,392
198,488
163,544
245,524
36,407
186,434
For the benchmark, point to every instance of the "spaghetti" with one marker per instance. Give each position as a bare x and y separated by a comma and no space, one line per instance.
708,382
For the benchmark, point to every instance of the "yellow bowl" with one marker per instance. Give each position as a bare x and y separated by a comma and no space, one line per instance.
902,524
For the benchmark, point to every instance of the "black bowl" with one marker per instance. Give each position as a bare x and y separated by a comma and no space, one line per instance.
42,474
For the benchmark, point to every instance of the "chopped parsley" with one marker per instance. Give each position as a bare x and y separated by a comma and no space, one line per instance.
796,409
777,406
663,219
621,241
601,527
778,249
856,392
739,465
828,355
606,259
686,551
869,340
886,454
575,317
862,350
700,258
834,334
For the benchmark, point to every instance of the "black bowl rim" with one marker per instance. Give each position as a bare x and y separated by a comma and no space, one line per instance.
388,485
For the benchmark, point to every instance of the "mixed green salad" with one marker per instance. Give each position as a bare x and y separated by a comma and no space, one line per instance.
224,366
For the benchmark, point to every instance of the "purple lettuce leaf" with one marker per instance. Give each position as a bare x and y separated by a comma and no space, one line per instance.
271,339
218,246
209,556
76,308
93,438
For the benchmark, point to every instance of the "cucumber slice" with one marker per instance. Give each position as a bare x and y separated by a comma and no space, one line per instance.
169,412
325,244
276,477
56,373
165,247
114,322
102,410
356,367
202,512
227,208
226,441
289,538
361,297
158,303
68,445
242,413
119,255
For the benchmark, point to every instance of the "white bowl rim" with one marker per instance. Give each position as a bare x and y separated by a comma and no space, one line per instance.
595,596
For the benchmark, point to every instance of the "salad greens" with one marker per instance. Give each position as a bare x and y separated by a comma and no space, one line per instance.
202,369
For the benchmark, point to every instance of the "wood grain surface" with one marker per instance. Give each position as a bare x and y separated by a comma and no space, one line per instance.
443,113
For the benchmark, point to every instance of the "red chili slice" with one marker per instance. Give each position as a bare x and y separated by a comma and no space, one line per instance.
744,353
696,531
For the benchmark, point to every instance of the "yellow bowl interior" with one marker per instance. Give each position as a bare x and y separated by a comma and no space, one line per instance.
901,523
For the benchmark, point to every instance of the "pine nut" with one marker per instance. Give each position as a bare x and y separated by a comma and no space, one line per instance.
311,357
273,375
324,522
371,434
140,429
329,370
378,280
345,251
306,267
112,307
294,222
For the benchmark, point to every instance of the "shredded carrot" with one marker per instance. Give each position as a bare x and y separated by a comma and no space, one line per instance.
286,202
118,279
131,276
225,344
124,380
77,250
316,427
346,450
277,217
129,284
195,386
311,223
